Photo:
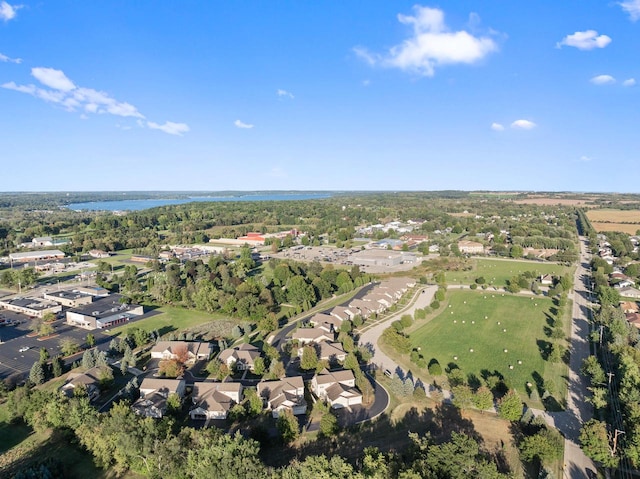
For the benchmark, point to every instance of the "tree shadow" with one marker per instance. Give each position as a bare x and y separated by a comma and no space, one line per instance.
473,381
544,347
383,433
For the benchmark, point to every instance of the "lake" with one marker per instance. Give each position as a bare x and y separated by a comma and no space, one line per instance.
136,205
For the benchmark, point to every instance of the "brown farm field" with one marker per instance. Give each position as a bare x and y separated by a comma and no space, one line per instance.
627,221
544,201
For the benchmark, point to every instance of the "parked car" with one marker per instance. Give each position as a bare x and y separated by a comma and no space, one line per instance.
23,349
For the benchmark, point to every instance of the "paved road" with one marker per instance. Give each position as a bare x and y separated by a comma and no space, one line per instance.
579,411
370,335
280,337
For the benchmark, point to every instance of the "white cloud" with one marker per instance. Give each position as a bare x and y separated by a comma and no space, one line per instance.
284,93
585,158
523,125
8,12
587,40
6,59
431,45
497,126
366,82
602,80
629,82
53,78
241,124
62,91
632,7
170,127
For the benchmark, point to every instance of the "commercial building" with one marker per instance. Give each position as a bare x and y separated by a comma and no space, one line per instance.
34,307
70,299
103,313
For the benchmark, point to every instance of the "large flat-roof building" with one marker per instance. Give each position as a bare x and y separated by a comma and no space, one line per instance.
34,307
70,299
27,256
374,257
103,313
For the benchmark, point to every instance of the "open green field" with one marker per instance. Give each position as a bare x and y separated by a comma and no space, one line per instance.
488,324
167,319
496,272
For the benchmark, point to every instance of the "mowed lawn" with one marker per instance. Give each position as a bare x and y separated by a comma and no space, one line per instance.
497,271
514,323
167,319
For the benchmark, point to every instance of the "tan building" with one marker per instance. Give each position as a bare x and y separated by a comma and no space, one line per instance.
70,299
34,307
470,247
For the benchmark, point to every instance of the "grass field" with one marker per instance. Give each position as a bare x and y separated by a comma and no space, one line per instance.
496,271
168,319
462,327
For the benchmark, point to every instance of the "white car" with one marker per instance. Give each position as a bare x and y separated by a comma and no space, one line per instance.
23,349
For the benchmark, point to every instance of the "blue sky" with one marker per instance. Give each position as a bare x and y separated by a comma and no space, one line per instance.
346,95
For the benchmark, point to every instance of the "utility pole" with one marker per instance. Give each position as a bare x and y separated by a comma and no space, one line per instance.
615,441
610,376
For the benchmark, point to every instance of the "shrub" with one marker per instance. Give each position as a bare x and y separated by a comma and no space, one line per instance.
406,320
473,286
434,368
435,304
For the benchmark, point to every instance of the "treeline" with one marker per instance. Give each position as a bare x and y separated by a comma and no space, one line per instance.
325,220
615,397
123,441
234,286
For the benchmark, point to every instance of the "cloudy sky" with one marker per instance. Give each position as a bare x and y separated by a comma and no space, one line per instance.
344,95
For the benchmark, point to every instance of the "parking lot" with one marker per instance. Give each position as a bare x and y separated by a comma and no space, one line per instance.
337,256
14,362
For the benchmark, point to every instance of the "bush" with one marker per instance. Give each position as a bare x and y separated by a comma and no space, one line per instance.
473,286
435,304
434,368
406,320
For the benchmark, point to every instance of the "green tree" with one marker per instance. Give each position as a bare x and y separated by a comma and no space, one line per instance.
91,340
595,443
36,375
253,402
599,397
591,367
259,366
287,426
309,360
56,366
483,398
328,424
88,360
44,355
546,446
69,346
462,396
510,406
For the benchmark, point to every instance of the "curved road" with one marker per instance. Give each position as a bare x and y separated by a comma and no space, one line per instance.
370,333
